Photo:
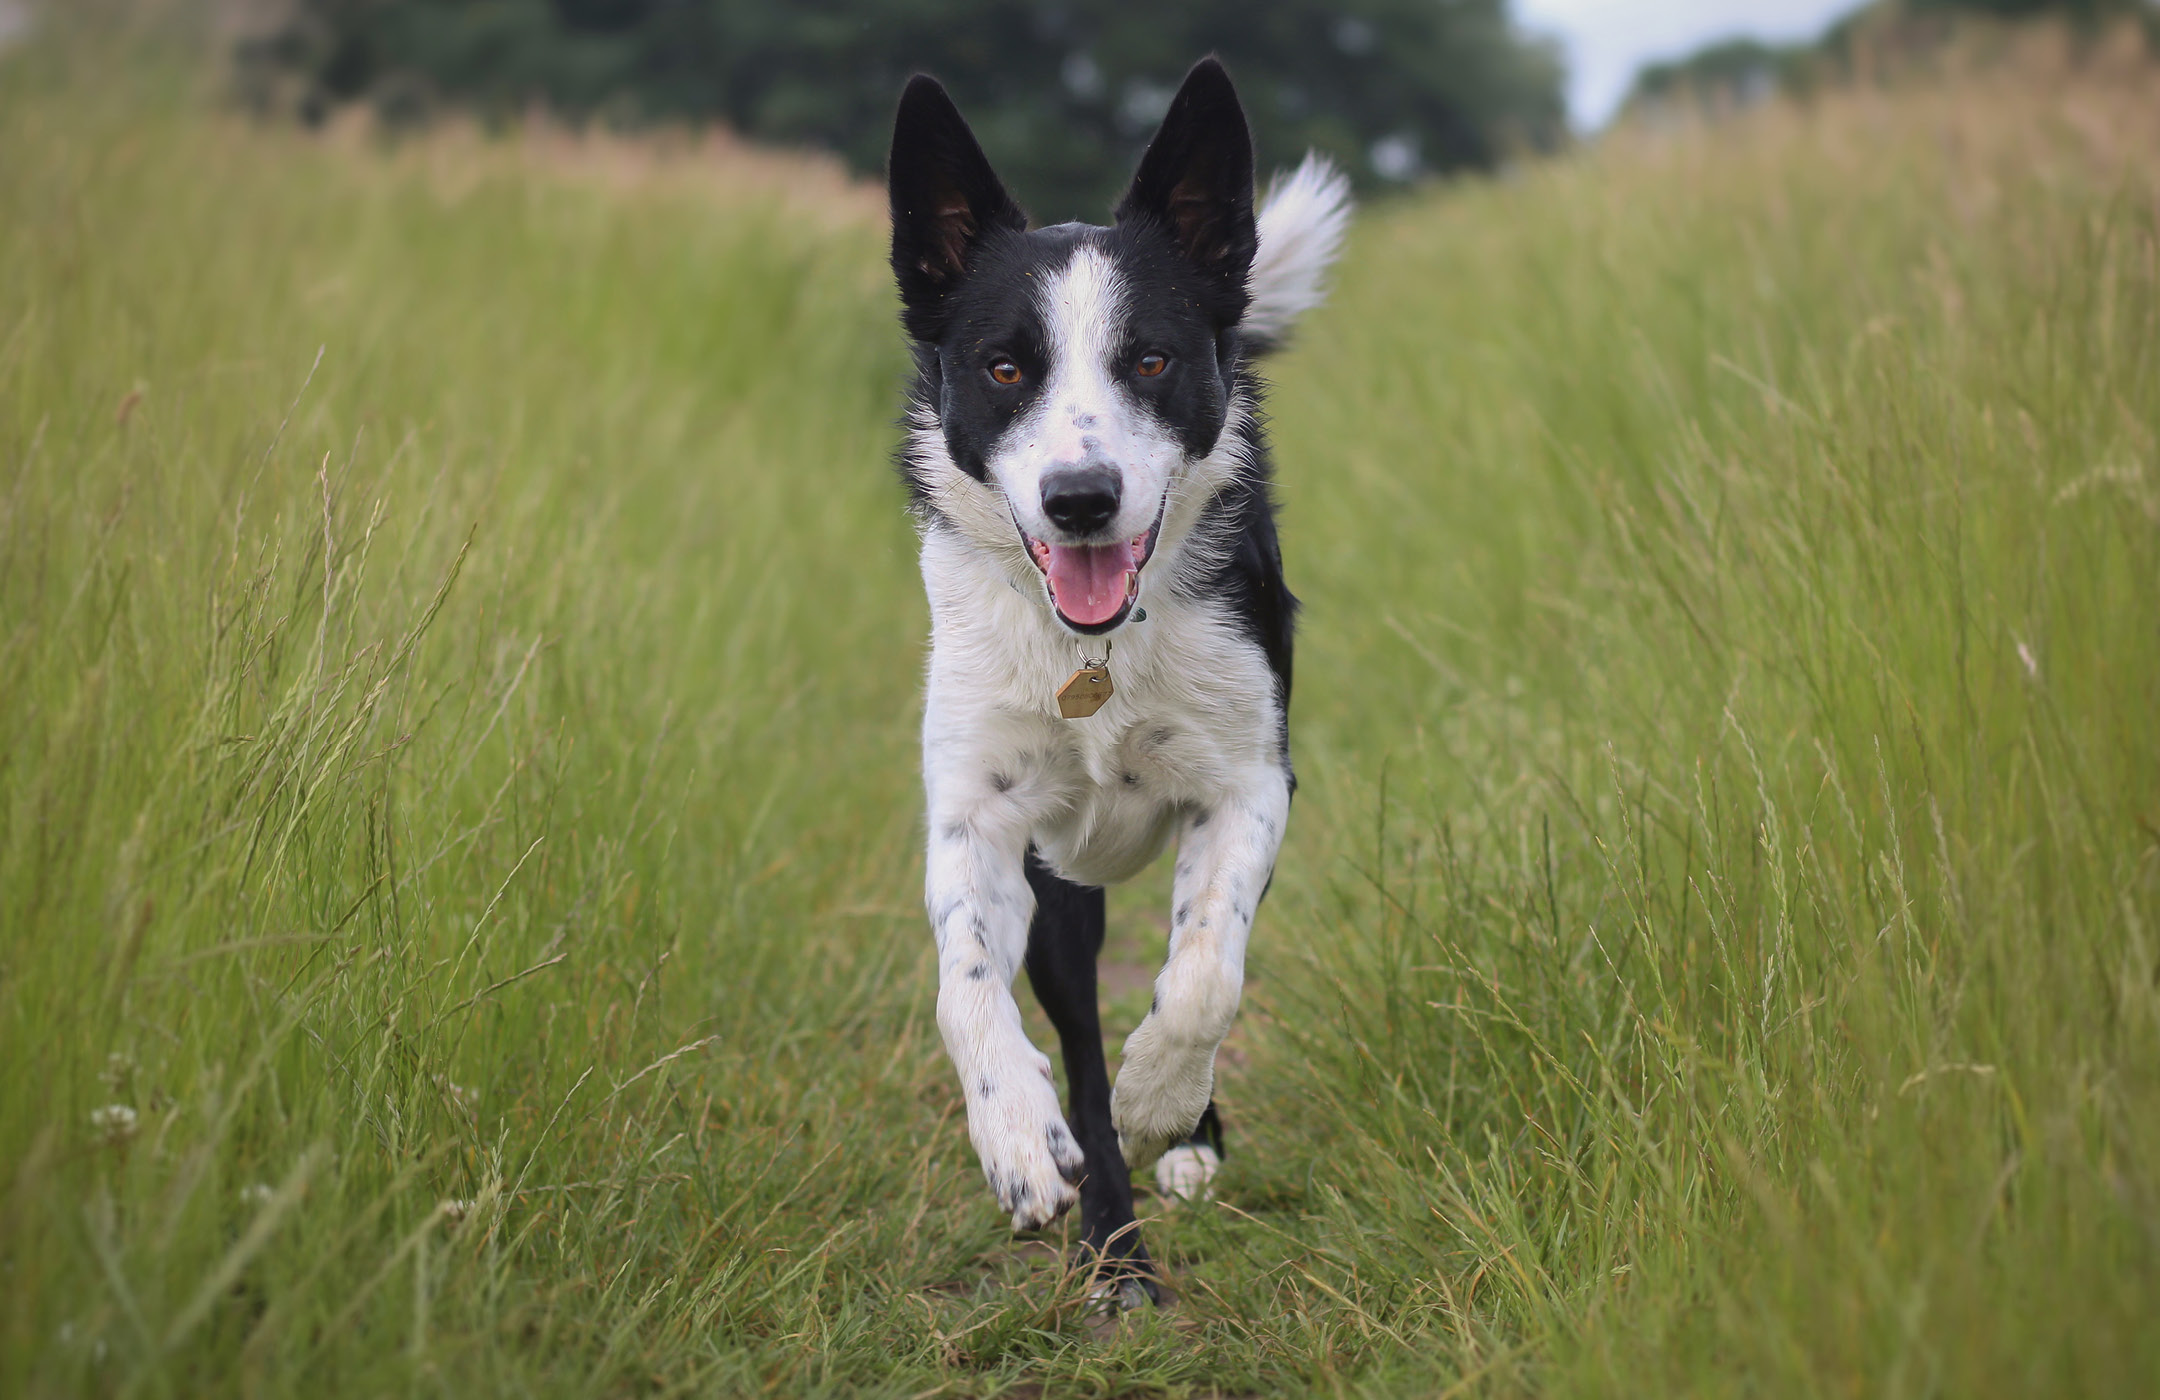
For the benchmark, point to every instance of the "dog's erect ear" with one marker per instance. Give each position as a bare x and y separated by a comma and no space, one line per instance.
1197,176
945,196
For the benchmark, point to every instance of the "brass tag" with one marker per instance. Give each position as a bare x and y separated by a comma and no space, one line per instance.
1085,691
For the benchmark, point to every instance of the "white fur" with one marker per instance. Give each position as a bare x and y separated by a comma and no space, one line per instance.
1302,223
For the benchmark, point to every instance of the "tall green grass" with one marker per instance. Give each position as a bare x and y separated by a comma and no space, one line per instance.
458,658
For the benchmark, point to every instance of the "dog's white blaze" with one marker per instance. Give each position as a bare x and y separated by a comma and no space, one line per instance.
1082,417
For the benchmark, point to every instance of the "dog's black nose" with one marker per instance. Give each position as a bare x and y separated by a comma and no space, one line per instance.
1081,499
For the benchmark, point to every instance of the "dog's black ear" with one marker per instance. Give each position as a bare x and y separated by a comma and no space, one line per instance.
945,198
1197,176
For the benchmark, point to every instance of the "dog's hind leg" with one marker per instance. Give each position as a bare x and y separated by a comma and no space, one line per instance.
1063,943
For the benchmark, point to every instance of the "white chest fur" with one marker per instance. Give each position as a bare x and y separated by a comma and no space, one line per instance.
1194,715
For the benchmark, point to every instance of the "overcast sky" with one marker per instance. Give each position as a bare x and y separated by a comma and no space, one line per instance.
1607,40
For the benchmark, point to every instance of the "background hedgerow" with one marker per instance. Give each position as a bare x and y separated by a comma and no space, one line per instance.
458,891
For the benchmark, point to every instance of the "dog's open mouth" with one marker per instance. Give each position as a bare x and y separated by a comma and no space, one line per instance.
1093,586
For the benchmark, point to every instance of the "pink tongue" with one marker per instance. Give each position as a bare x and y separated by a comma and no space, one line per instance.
1087,581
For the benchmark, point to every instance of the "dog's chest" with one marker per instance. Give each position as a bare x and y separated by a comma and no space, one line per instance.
1194,717
1155,756
1115,791
1193,701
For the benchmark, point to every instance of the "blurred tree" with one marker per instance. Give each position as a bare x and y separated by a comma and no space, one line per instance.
1736,73
2084,10
1739,71
1063,92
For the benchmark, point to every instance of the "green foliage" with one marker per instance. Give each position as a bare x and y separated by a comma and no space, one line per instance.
1881,37
459,890
1064,96
1744,70
2082,10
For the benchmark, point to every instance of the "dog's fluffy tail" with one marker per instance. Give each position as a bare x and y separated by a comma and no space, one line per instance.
1301,229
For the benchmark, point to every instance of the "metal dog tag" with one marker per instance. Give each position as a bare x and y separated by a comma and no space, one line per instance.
1086,690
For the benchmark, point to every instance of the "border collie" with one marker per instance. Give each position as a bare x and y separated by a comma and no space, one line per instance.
1110,656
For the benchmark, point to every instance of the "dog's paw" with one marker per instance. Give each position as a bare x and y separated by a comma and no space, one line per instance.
1162,1089
1028,1155
1186,1172
1124,1293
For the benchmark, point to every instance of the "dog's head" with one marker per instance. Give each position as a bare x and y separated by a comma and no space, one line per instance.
1082,372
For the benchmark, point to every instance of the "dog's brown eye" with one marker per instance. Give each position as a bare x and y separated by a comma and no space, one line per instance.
1005,372
1150,365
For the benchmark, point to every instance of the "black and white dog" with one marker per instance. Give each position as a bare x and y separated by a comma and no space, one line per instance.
1087,463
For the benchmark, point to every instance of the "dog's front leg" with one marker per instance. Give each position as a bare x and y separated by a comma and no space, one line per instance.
980,905
1226,853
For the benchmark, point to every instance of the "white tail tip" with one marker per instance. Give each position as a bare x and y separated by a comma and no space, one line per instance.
1302,222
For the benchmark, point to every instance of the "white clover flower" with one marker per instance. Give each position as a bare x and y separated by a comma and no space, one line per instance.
115,1122
454,1209
258,1194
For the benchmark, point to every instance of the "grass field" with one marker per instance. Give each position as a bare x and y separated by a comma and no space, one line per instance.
459,653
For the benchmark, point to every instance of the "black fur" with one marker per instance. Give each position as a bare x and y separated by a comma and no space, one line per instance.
1195,183
1249,575
1063,942
946,200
